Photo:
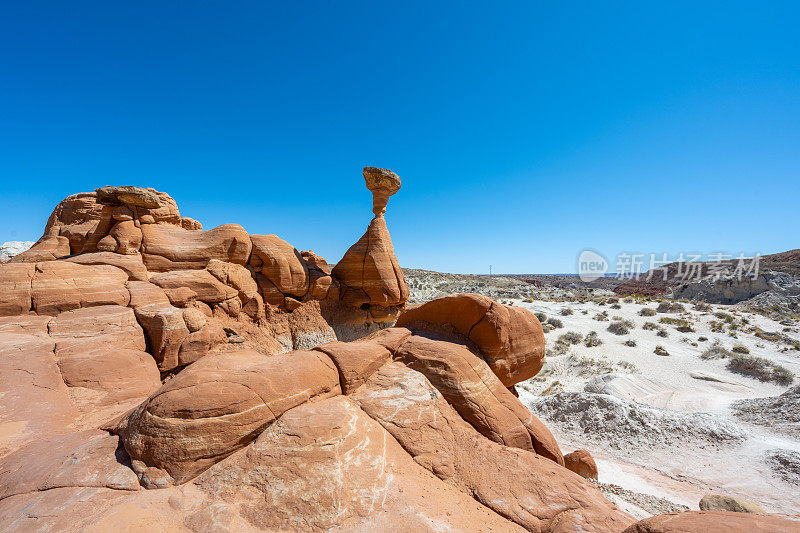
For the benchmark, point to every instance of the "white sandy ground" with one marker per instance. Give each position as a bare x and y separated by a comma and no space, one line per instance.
685,470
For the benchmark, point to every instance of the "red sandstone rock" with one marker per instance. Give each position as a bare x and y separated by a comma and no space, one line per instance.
369,270
166,247
469,385
383,183
61,286
282,264
582,463
510,339
521,486
207,288
219,404
356,361
46,249
15,288
131,264
714,522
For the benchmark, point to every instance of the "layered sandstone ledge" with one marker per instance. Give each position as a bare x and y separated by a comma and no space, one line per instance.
162,377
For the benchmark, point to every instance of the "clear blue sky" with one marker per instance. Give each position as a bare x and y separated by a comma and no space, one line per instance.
523,132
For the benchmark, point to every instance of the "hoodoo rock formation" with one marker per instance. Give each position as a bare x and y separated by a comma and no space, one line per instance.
159,377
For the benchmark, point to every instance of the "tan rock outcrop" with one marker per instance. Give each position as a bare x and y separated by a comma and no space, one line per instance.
714,522
281,263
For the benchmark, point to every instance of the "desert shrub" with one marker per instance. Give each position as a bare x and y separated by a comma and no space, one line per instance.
591,366
630,367
716,326
662,333
647,311
547,328
685,329
555,322
669,307
760,368
715,351
613,300
542,317
592,340
673,321
740,348
621,327
570,337
727,317
554,388
630,342
650,326
659,350
628,300
702,306
616,306
566,311
601,317
585,312
769,336
702,339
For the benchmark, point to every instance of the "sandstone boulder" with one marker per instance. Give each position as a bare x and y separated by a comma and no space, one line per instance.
166,247
714,522
510,339
582,463
383,183
281,263
15,288
221,403
722,502
469,385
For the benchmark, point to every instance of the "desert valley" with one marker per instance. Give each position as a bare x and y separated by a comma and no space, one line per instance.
159,376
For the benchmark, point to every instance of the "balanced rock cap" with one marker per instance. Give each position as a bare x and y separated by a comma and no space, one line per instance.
383,183
128,194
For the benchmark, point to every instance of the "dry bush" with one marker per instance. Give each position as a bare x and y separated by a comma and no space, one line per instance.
592,340
621,327
760,368
740,348
670,307
660,351
566,311
715,351
630,342
647,311
649,326
556,323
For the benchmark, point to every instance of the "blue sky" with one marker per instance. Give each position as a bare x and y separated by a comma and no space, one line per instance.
523,132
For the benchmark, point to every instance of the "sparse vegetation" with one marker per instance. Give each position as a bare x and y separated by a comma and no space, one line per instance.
601,317
555,322
630,342
662,333
542,317
740,348
715,351
621,327
650,326
702,339
660,351
702,306
670,307
592,340
566,311
570,337
629,367
647,311
616,306
760,368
